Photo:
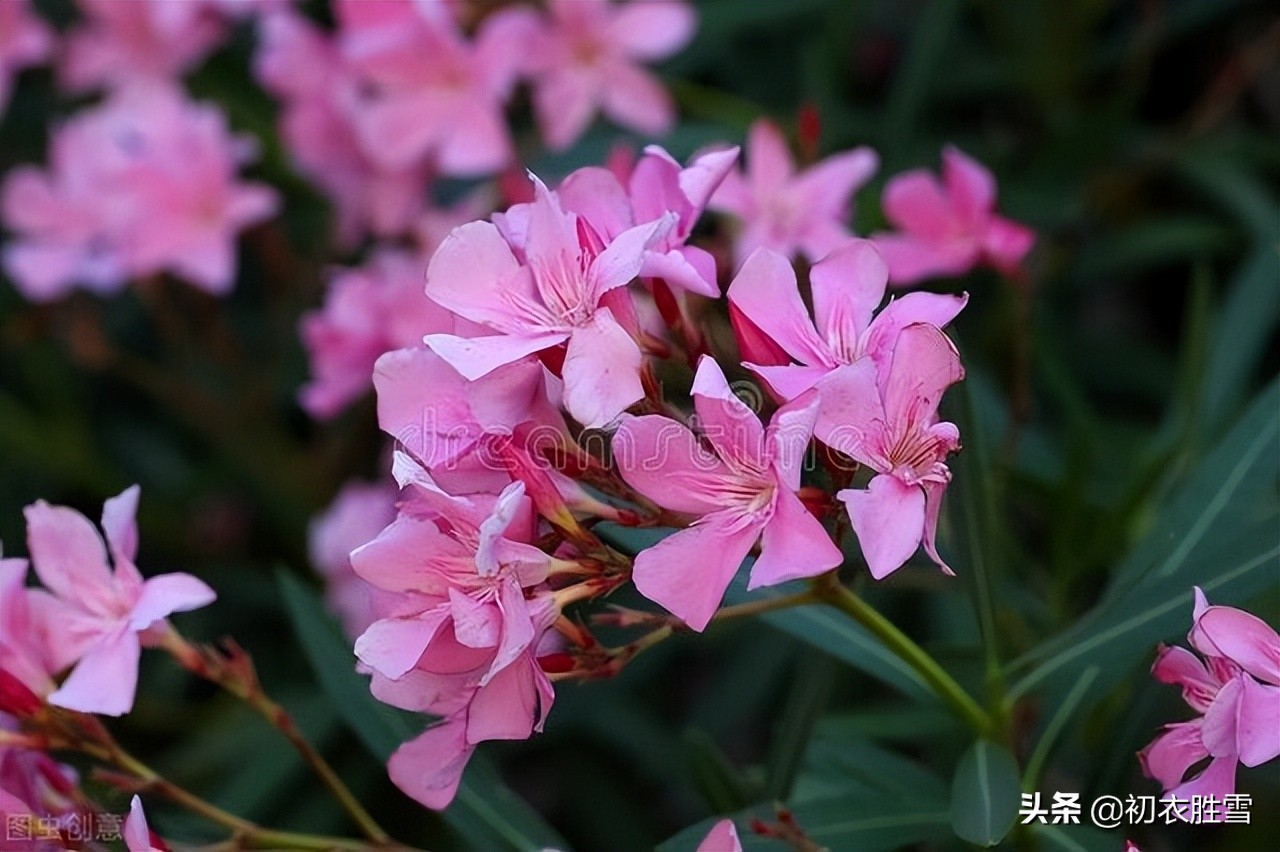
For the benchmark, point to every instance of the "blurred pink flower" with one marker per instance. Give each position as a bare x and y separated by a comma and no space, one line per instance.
355,517
25,40
891,419
1236,689
587,57
142,184
723,837
948,228
33,784
848,286
743,493
429,93
569,288
26,648
104,617
791,212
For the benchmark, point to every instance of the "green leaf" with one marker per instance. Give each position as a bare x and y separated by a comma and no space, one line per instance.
809,692
985,794
486,813
1246,323
1076,838
721,785
842,761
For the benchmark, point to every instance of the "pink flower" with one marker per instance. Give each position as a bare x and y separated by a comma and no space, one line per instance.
848,285
744,492
568,290
587,57
368,311
26,649
33,784
723,837
657,186
355,517
432,92
1236,689
25,40
137,836
142,184
790,212
120,43
105,617
462,643
890,424
948,228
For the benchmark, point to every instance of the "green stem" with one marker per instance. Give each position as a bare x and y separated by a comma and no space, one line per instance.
832,592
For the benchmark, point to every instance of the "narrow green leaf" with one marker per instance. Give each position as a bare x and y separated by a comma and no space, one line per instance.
486,813
723,788
809,692
910,93
985,794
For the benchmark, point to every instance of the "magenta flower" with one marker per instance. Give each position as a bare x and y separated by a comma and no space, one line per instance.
744,492
848,285
586,58
105,617
890,424
723,837
948,228
25,40
1236,689
569,289
805,212
430,91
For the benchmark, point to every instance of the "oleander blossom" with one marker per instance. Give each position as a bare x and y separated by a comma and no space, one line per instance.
792,212
1234,685
144,183
742,493
723,837
947,228
357,514
104,616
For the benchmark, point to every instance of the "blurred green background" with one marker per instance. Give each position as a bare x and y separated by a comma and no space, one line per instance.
1140,139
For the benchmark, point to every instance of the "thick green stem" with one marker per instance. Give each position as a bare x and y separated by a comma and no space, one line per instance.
835,594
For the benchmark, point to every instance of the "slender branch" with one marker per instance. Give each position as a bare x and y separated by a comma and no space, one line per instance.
835,594
236,675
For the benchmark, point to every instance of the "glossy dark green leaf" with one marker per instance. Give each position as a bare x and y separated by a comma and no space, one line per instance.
985,794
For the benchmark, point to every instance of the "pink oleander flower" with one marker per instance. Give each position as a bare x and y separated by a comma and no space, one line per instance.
33,784
144,183
119,43
791,212
104,617
657,185
429,91
723,837
368,310
357,514
462,643
26,648
567,289
793,353
742,493
587,58
890,416
317,126
946,229
1236,691
25,40
137,836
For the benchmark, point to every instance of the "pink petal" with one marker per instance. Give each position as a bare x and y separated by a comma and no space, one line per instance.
971,186
476,357
848,285
636,100
166,594
1217,780
601,371
674,268
914,202
925,363
663,460
105,679
937,309
1219,730
429,768
1168,757
596,195
1006,243
137,837
478,142
471,273
933,492
700,180
888,518
506,707
118,515
769,163
393,646
827,187
621,261
1242,638
565,102
396,130
911,259
688,572
476,624
726,422
1258,722
851,417
793,545
765,291
652,30
789,382
517,628
406,557
68,556
788,436
723,837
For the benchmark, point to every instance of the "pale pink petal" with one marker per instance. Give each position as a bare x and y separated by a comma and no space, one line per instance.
665,462
397,129
429,768
688,572
703,177
925,363
601,371
475,357
636,100
769,163
914,202
1258,722
507,706
1006,243
517,627
1219,729
406,557
478,142
166,594
827,187
69,556
788,436
723,837
652,30
137,837
621,261
888,519
937,309
565,102
471,272
851,414
1168,757
674,268
790,381
1241,637
970,184
476,624
105,679
393,646
1217,780
727,423
596,195
848,285
118,523
793,545
765,291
